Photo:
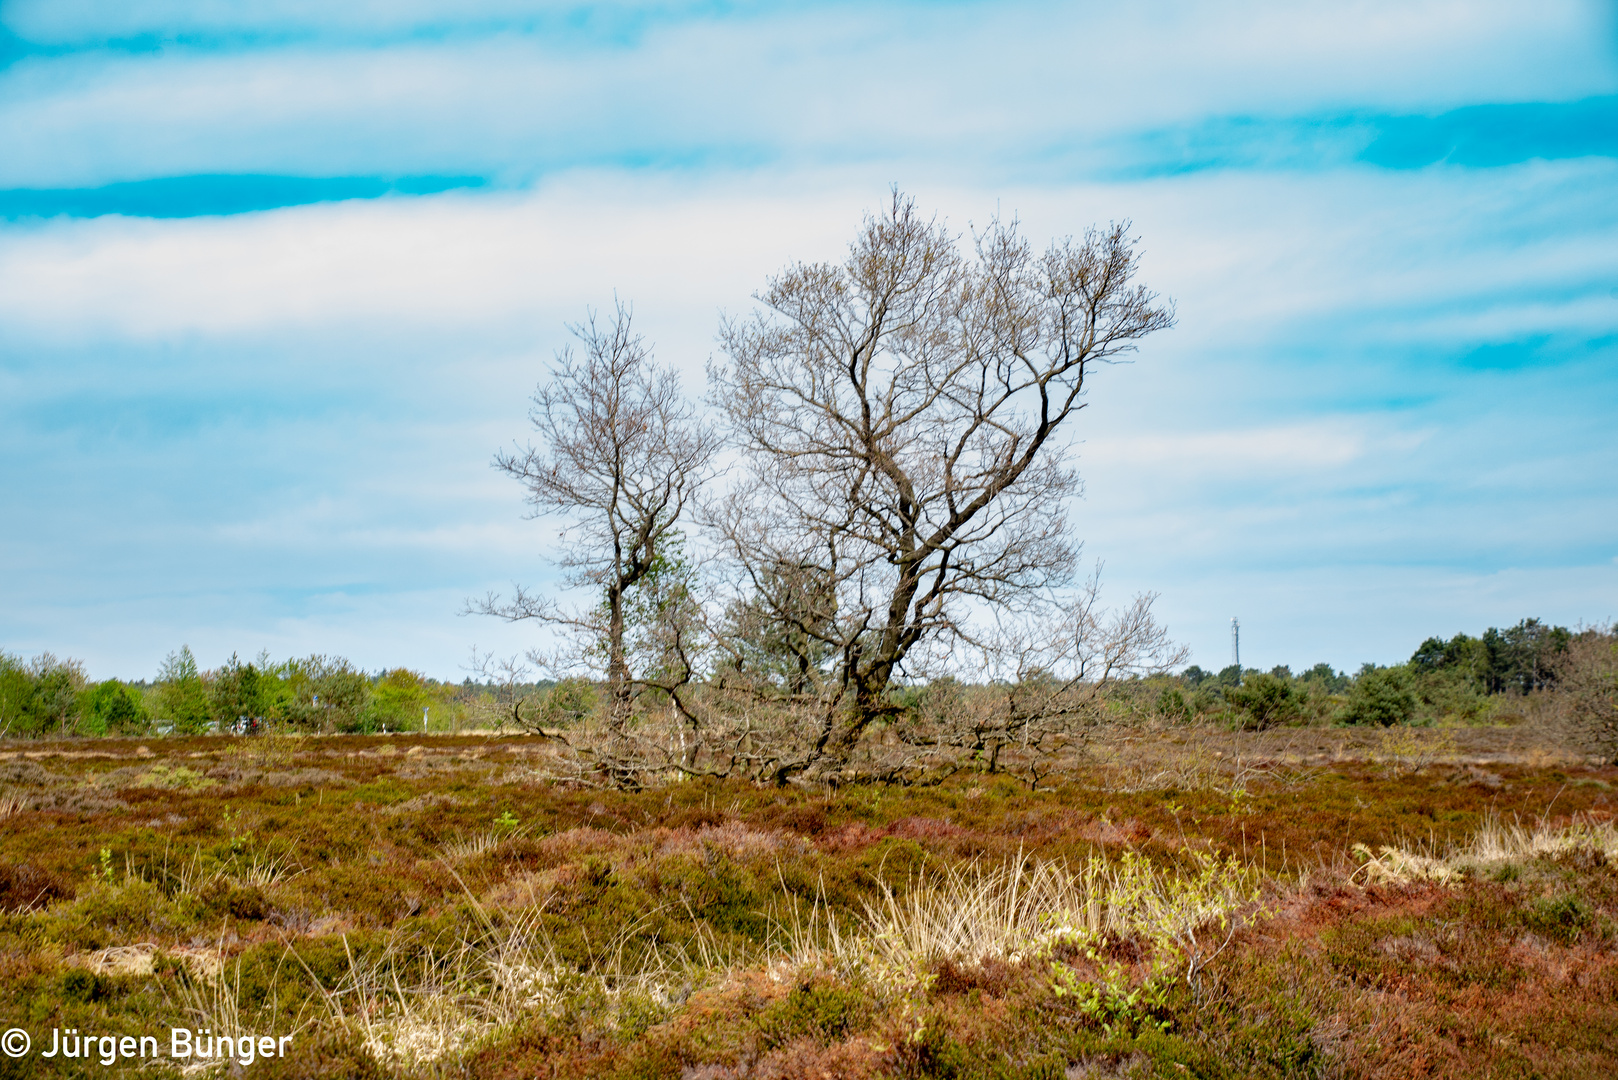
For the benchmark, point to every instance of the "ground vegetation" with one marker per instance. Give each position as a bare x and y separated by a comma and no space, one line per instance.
1172,900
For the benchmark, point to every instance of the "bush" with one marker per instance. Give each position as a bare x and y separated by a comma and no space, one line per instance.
1267,700
1382,696
1171,705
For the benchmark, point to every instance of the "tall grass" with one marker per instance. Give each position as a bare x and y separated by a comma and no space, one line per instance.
1021,910
413,1007
1495,844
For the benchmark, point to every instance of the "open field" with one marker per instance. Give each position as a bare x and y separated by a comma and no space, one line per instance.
1180,902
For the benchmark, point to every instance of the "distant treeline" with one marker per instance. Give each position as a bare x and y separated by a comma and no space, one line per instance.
48,696
1462,678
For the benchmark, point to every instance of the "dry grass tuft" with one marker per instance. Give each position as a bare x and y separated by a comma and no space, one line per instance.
1498,842
1495,844
122,960
412,1009
1020,910
462,848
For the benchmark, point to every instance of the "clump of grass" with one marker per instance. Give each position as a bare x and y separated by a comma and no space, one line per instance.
1499,842
412,1007
1023,910
174,778
11,804
209,992
265,871
461,848
1398,865
1496,845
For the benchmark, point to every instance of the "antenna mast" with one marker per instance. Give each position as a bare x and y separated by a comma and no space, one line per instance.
1236,645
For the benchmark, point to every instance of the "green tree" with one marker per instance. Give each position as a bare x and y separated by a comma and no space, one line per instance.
39,697
1381,695
16,694
1522,658
397,700
568,702
324,693
777,636
1267,700
238,691
1326,678
1171,705
1194,676
182,696
113,708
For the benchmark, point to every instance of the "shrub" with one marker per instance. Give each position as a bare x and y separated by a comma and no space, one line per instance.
1171,705
1382,696
1266,700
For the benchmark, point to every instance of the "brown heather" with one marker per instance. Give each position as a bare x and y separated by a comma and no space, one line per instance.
1178,902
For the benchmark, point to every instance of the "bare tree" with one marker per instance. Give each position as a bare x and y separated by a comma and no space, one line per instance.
899,413
506,679
1587,676
621,455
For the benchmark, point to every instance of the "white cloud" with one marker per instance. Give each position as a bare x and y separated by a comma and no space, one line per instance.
988,82
1285,449
449,261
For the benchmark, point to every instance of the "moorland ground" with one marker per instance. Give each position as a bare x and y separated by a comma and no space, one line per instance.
1174,901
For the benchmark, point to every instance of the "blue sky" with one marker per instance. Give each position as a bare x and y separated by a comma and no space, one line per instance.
276,280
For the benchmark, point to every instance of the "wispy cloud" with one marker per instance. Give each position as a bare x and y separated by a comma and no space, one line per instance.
208,196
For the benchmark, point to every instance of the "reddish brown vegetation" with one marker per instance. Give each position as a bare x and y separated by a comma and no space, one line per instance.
362,846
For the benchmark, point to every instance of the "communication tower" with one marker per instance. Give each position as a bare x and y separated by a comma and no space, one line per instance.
1236,645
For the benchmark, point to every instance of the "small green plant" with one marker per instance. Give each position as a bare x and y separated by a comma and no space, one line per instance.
506,820
1110,1001
1562,918
240,840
